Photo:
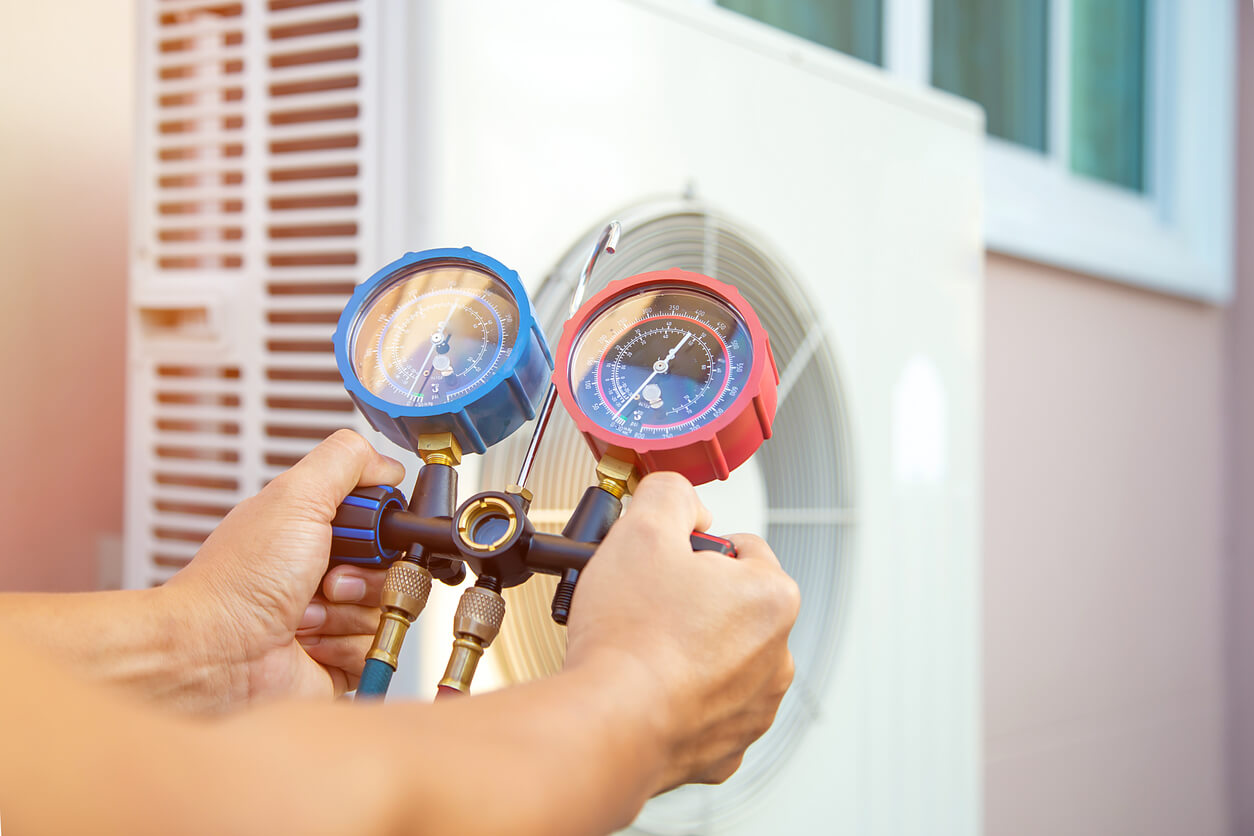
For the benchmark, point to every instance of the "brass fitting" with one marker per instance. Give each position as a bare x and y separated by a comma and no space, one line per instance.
616,477
462,664
389,638
480,613
482,508
405,590
524,493
439,448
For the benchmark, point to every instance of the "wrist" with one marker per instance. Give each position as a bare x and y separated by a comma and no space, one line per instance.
202,660
134,639
627,692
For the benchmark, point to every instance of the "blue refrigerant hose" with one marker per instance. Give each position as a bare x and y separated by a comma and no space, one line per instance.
375,677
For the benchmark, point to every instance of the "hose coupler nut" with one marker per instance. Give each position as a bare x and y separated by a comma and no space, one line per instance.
405,588
616,477
480,613
439,448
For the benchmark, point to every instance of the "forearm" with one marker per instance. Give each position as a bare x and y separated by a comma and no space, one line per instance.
574,754
133,639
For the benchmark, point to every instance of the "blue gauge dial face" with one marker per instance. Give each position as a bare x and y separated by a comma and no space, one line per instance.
660,364
433,333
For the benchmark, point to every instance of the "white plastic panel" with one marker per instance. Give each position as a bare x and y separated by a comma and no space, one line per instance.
552,121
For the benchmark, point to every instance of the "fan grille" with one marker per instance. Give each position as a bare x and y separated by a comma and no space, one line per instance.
806,470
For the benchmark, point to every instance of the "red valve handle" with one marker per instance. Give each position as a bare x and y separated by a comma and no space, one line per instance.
702,542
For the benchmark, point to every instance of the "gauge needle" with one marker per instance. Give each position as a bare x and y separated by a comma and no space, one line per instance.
436,339
660,367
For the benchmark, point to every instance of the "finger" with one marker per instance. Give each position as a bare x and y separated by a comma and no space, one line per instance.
785,675
670,501
348,653
326,619
354,585
779,586
751,548
343,461
722,770
341,682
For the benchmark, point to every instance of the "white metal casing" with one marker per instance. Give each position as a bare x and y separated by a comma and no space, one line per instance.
516,129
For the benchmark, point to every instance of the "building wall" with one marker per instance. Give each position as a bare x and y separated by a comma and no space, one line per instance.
1119,547
65,147
1240,445
1104,558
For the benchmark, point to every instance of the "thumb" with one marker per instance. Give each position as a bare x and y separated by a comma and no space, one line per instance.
669,501
342,462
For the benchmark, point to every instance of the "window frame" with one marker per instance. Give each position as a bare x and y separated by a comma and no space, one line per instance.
1177,236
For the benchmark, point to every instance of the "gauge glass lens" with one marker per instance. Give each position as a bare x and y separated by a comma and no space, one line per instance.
661,363
434,333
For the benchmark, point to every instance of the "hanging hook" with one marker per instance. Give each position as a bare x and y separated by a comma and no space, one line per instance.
606,242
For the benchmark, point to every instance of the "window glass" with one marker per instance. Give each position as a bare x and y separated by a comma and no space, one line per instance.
1108,90
994,52
851,26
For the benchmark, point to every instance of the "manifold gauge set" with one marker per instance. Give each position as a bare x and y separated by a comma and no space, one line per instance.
441,351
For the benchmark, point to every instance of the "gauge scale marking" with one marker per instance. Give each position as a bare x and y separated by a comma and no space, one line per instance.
669,370
434,336
662,363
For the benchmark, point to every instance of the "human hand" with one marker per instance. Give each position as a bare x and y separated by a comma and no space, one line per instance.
709,634
249,596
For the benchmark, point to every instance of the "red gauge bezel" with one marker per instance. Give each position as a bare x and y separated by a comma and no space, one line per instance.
707,453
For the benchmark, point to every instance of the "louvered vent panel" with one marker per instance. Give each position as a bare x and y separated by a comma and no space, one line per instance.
196,477
312,217
198,170
247,242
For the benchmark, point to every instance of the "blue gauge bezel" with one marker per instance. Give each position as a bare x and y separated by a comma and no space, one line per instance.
408,421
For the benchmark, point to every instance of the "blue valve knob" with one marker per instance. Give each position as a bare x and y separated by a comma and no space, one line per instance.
355,529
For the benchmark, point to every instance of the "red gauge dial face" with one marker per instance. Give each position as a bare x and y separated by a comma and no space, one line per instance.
660,363
669,370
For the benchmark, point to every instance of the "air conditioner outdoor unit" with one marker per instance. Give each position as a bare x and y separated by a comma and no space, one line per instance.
288,149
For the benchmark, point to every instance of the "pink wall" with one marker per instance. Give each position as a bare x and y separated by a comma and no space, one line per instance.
1240,441
1104,558
65,145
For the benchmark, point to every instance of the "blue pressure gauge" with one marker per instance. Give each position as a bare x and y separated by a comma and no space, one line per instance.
443,341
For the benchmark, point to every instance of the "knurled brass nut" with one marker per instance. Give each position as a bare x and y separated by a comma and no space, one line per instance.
406,587
480,613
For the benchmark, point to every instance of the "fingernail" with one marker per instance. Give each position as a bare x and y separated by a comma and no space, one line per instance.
315,616
308,641
347,589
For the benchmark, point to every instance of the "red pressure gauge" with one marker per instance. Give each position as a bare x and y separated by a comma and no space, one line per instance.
669,370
